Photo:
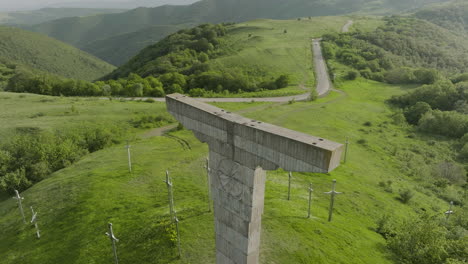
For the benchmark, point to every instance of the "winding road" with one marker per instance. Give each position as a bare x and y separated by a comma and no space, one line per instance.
324,85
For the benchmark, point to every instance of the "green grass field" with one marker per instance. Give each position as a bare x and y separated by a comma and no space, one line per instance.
75,204
262,49
47,113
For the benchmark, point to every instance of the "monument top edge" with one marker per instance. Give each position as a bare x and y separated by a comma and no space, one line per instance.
259,125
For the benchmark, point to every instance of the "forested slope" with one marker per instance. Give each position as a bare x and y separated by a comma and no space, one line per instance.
49,55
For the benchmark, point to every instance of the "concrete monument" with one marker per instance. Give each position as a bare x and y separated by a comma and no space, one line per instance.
240,151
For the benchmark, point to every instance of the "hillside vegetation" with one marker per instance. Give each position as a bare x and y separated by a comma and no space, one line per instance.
383,164
119,49
49,14
81,32
48,55
453,15
404,50
258,58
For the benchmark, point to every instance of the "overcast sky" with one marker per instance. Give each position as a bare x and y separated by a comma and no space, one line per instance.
13,5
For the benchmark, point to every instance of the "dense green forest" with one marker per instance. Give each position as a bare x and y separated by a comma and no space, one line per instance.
93,33
453,15
42,53
404,50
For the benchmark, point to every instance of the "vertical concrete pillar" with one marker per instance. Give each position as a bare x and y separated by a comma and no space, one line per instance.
238,195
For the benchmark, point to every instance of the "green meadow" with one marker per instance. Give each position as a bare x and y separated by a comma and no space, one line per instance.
75,204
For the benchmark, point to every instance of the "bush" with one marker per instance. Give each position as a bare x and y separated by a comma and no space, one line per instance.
352,75
453,173
405,195
419,241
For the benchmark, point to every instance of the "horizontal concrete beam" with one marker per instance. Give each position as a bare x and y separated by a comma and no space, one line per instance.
253,143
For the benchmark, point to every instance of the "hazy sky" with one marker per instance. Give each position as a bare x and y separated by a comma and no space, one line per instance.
13,5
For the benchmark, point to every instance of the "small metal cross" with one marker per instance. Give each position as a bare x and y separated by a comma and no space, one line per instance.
289,185
113,239
346,150
176,221
207,167
129,156
34,222
332,200
449,212
170,194
310,199
20,205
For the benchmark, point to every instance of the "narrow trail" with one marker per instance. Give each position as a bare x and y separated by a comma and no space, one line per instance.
324,86
346,27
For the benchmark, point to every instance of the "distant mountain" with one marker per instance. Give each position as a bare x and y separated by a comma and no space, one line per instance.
453,16
48,14
120,48
46,54
124,4
81,32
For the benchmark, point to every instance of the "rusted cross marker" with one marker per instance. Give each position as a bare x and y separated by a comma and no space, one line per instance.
240,151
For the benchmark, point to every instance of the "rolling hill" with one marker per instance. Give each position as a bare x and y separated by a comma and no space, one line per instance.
42,53
453,15
120,48
48,14
80,32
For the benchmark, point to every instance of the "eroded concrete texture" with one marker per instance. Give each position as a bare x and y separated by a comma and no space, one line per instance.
240,151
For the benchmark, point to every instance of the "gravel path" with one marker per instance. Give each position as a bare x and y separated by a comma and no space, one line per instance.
347,26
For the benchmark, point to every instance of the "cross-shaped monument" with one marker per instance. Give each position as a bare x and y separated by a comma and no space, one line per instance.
240,151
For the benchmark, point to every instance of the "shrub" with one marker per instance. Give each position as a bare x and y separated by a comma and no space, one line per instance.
362,141
419,241
352,75
405,195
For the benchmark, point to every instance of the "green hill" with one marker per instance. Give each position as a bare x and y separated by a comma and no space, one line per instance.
48,14
84,31
42,53
75,204
453,15
397,181
120,48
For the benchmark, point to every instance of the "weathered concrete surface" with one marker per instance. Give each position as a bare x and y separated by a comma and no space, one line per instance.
240,151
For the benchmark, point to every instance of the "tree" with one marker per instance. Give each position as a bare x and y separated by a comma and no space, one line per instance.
415,112
450,171
282,81
419,241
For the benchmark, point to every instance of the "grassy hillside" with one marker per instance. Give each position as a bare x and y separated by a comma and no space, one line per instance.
46,54
251,54
80,32
453,15
386,53
48,14
76,204
120,48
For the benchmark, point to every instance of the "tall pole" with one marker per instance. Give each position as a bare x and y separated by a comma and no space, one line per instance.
332,200
310,199
20,204
170,194
346,150
113,239
449,212
129,156
176,220
289,185
34,221
207,166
